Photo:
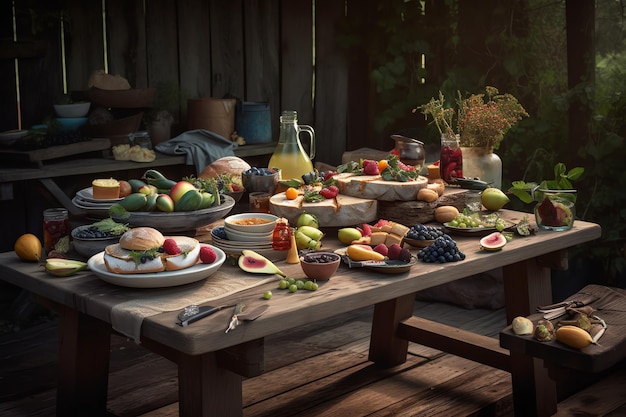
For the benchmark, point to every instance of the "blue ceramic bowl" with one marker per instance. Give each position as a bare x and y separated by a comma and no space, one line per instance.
72,123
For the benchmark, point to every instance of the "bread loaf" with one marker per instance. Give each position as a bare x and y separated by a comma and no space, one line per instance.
226,165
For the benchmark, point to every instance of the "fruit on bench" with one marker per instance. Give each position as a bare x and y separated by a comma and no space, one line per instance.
573,336
253,262
522,326
493,242
28,247
544,331
493,199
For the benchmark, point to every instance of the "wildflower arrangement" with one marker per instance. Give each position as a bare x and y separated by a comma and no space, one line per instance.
484,119
481,120
442,116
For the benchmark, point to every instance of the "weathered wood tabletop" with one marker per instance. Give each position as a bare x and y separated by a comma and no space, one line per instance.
211,362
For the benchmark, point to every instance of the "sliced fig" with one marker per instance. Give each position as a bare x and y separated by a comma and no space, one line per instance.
492,242
250,261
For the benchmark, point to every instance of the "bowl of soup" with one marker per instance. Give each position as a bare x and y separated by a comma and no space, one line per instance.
260,223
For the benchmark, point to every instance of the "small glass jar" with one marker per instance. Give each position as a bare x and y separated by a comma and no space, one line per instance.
281,237
556,209
56,226
450,158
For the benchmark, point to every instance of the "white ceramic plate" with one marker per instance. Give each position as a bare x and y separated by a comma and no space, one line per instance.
159,279
269,253
87,195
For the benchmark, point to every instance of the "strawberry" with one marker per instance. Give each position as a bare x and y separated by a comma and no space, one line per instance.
367,230
207,255
329,192
170,247
329,174
370,167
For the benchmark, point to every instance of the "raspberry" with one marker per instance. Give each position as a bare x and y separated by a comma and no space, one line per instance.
170,247
207,255
370,168
330,192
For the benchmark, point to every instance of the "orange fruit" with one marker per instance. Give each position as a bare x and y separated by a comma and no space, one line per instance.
382,164
28,247
291,193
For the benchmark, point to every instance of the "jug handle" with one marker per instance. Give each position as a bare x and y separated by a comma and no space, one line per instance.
308,129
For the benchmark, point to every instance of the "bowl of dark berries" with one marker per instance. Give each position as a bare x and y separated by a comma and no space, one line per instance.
91,239
260,179
320,265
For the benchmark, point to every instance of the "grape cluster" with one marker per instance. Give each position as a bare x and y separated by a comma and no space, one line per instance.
93,232
442,250
424,232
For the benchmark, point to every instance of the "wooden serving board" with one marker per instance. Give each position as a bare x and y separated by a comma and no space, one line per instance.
54,152
343,211
375,188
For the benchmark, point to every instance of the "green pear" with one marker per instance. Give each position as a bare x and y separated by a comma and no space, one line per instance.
493,199
253,262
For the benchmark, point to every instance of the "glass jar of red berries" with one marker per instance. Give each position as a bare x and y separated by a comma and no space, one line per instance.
451,158
56,226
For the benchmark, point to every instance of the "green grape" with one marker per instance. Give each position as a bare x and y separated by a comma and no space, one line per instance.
283,284
291,281
293,288
300,284
314,287
267,295
308,285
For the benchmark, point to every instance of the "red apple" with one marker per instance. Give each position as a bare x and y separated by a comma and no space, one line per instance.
179,189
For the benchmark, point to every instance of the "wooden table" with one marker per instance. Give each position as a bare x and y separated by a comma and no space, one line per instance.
211,363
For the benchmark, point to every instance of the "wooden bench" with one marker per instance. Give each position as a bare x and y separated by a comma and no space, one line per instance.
572,369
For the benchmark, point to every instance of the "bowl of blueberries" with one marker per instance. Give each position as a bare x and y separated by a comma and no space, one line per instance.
262,180
91,239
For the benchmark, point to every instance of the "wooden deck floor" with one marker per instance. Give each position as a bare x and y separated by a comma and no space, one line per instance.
316,370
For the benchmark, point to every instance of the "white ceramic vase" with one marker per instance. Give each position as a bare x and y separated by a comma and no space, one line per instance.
482,163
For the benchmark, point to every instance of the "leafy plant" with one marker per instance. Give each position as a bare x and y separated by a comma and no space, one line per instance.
528,191
443,117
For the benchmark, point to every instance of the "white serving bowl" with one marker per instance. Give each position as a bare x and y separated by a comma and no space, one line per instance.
72,110
236,223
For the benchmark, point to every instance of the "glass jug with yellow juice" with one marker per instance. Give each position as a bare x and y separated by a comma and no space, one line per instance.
289,154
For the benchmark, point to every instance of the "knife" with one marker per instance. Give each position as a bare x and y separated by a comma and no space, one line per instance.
553,311
234,320
193,313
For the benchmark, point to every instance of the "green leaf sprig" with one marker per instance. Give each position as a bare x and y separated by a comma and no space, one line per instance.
526,191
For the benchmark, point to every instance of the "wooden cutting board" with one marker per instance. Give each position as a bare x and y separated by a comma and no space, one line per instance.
343,211
375,188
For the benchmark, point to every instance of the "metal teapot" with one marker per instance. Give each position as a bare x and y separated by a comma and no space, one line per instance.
410,151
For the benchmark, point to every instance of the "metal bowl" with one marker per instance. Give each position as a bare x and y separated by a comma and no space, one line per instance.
89,247
177,222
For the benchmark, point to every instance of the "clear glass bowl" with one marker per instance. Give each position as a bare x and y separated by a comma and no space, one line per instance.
556,209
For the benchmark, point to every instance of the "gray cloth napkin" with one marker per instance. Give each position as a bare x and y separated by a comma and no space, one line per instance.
201,147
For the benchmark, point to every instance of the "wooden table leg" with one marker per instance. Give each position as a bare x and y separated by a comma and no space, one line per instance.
206,389
386,348
84,352
527,285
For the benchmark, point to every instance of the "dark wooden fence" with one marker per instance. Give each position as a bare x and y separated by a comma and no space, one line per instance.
254,50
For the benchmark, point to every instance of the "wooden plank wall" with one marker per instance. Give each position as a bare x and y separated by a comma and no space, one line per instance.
253,50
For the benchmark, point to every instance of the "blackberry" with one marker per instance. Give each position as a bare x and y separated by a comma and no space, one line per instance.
442,250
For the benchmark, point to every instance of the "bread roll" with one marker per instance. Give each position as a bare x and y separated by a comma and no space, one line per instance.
141,239
226,165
